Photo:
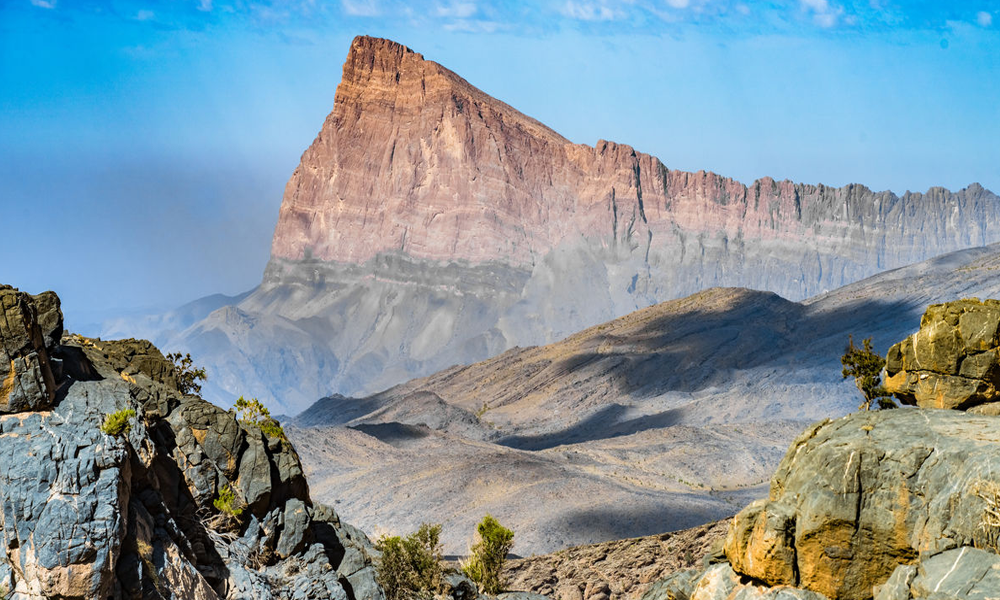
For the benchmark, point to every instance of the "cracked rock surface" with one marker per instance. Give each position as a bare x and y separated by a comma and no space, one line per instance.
85,514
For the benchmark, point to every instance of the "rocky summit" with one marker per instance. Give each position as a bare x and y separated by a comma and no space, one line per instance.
953,361
430,224
93,511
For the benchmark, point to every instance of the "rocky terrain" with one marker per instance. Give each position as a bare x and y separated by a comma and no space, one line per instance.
620,569
893,505
87,512
430,225
671,416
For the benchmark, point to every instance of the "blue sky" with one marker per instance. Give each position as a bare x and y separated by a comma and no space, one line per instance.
144,145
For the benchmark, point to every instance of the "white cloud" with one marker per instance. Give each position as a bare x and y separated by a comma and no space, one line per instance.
587,11
44,3
473,26
984,18
457,10
145,15
824,14
361,8
743,9
205,5
679,3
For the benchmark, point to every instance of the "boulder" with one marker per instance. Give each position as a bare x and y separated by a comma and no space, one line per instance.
855,498
26,379
953,361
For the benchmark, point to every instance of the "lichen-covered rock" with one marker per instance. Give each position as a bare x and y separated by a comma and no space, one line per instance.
85,514
761,542
26,380
953,361
855,498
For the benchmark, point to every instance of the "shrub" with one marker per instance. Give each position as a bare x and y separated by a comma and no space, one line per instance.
488,553
252,412
866,367
188,375
410,567
225,503
118,422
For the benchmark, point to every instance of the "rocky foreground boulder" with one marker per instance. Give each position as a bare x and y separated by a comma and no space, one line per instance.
890,505
953,361
86,514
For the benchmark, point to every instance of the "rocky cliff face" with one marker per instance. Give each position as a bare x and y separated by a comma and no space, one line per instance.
415,160
89,514
429,225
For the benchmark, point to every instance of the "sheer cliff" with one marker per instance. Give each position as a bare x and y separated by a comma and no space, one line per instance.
429,224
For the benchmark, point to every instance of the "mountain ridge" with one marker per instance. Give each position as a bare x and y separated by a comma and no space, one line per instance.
430,225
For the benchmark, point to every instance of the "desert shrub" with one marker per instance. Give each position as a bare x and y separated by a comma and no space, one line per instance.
188,375
118,422
252,412
485,563
866,367
410,567
989,519
225,502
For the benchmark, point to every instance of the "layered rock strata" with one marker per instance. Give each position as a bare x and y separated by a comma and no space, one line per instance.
88,514
430,224
953,361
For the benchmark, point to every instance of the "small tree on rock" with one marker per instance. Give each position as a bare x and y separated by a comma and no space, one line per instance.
866,367
188,375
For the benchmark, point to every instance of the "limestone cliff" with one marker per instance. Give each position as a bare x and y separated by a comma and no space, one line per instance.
413,159
430,225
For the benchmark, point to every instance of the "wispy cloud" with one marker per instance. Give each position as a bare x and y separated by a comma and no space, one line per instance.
457,10
44,3
984,18
590,11
205,5
824,14
361,8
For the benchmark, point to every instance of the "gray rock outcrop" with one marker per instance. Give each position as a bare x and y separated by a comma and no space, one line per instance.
26,380
893,505
953,361
87,514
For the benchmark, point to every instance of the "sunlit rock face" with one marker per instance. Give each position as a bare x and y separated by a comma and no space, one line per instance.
429,224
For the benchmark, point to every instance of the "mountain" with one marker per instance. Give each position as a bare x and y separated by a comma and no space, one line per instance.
430,224
668,417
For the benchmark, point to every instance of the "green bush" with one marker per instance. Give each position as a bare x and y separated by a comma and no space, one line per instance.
252,412
866,367
188,375
118,422
485,563
225,503
410,567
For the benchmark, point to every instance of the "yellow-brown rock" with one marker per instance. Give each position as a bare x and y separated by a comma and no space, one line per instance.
952,361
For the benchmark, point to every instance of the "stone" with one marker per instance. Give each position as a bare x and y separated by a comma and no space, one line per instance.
953,361
85,515
872,491
26,379
897,587
293,532
761,542
960,573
